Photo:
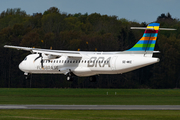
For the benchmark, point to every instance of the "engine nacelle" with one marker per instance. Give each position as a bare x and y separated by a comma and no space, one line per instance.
48,57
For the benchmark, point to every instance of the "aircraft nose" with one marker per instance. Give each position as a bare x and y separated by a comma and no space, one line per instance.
21,66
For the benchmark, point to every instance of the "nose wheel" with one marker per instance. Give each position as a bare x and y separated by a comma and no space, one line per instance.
27,76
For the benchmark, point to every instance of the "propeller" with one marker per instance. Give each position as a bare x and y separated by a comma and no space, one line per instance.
40,56
42,63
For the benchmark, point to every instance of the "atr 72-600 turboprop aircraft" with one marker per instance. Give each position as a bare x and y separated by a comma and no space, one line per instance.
85,63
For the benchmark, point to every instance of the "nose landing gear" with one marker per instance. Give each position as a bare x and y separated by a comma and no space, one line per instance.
27,76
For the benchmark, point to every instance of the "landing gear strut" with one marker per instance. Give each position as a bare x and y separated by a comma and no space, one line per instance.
27,76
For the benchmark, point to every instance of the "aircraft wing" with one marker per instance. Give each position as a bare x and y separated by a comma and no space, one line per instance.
58,53
19,48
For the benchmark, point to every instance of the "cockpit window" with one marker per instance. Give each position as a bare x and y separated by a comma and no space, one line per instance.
25,59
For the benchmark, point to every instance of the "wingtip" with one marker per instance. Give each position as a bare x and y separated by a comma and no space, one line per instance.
167,29
6,46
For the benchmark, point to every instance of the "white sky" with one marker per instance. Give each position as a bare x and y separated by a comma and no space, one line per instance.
133,10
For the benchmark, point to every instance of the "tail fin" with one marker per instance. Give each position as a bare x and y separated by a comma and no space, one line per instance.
147,43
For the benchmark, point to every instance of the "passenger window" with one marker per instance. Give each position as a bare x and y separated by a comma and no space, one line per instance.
59,61
68,61
85,61
82,61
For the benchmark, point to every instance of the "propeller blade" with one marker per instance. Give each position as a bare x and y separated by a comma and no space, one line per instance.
36,58
40,55
42,63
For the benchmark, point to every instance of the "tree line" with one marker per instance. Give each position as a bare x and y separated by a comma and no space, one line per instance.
90,32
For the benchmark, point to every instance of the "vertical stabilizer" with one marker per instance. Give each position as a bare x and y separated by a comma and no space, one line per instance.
147,43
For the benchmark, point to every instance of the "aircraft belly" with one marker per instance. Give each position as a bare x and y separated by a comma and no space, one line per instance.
83,71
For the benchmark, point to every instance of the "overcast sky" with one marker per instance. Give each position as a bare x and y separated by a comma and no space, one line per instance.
133,10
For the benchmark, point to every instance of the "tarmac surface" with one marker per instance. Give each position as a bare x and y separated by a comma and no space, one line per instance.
93,107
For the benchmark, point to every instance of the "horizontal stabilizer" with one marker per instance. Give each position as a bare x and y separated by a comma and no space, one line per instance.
145,28
142,28
167,29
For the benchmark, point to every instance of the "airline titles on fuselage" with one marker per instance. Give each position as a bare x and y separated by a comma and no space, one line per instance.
92,62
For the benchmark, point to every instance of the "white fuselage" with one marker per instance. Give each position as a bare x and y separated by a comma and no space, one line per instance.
88,65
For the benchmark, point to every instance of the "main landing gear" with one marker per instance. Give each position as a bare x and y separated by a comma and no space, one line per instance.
70,76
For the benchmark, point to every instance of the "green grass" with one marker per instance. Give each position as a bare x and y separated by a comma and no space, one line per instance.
90,96
93,97
88,115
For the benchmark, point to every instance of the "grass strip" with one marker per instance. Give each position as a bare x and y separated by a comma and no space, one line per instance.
90,96
89,114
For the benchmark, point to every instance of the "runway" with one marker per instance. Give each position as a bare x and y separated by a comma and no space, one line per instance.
93,107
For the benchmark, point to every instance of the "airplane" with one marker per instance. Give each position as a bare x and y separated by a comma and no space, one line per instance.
92,63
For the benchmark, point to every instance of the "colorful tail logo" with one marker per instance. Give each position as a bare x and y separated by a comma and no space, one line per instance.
148,41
